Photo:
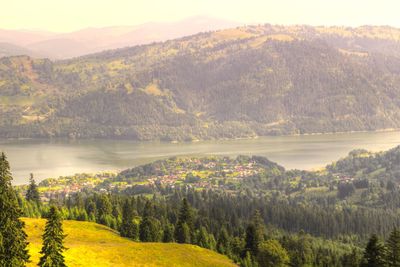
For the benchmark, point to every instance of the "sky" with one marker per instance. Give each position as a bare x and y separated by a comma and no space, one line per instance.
71,15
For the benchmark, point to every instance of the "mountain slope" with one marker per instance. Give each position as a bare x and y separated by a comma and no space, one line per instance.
7,49
91,244
241,82
91,40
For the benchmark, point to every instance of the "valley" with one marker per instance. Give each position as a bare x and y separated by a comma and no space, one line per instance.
252,133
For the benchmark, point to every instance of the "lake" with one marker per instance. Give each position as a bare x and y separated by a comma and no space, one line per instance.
54,158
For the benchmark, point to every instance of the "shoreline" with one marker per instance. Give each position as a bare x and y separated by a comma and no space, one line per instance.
385,130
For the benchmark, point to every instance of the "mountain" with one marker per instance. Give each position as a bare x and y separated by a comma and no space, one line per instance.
91,40
24,37
103,246
7,49
240,82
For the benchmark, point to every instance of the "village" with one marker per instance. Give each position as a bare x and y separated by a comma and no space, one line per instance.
201,173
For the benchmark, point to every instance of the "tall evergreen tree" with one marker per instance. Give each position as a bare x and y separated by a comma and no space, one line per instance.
184,226
32,194
352,259
223,244
272,254
168,234
203,238
13,251
374,254
53,238
393,248
255,233
128,227
149,228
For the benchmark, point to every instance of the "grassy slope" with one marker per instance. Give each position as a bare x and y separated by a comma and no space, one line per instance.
91,244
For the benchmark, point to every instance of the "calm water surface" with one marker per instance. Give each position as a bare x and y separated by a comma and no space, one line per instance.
53,158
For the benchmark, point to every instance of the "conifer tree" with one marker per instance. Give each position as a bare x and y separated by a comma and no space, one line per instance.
168,234
374,254
184,225
203,238
272,254
393,248
32,194
254,233
223,245
128,227
13,251
149,228
248,261
53,238
183,233
352,259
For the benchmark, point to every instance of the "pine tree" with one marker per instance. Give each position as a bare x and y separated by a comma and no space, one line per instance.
352,259
374,254
182,233
272,254
13,251
248,261
32,194
203,239
149,228
128,227
184,226
254,233
53,238
223,245
393,248
168,234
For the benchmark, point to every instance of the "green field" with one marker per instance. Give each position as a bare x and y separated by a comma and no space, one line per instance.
91,244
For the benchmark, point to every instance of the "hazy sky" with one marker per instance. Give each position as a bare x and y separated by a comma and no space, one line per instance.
69,15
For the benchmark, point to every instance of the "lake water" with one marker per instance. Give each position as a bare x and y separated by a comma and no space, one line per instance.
54,158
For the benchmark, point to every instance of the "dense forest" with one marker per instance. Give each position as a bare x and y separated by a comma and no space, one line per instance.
248,208
242,82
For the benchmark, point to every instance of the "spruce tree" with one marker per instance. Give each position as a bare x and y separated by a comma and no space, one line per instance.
203,238
393,248
255,233
53,238
149,228
223,244
184,226
374,254
352,259
272,254
13,251
128,227
168,234
32,194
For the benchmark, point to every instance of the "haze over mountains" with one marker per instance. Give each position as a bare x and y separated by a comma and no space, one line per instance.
91,40
239,82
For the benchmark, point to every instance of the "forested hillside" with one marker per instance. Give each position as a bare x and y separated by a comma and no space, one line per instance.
242,82
248,208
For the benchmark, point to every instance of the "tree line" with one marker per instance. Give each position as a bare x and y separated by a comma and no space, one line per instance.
238,226
13,239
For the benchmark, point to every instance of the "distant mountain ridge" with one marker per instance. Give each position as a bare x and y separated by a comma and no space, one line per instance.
91,40
240,82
